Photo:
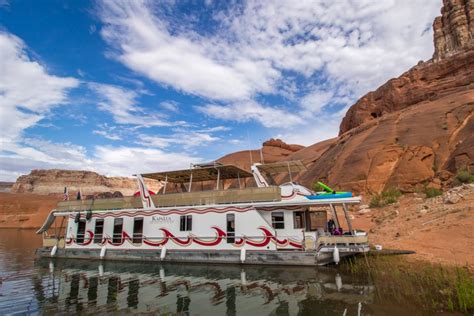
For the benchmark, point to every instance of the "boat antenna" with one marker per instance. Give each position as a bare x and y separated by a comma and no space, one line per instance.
250,151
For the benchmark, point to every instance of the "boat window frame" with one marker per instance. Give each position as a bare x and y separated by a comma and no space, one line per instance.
115,239
97,234
302,220
185,223
137,238
276,223
230,234
80,238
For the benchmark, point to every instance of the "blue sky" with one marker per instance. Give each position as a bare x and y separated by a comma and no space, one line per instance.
129,86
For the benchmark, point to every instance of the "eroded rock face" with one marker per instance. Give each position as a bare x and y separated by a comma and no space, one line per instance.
421,144
425,82
53,182
454,29
450,70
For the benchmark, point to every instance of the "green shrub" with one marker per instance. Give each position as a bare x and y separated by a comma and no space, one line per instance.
375,201
432,192
387,197
464,176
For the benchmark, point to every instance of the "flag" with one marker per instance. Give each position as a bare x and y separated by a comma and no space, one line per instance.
66,194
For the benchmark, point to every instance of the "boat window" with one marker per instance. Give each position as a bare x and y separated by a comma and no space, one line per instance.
98,231
298,220
186,223
81,230
137,230
278,220
118,228
230,228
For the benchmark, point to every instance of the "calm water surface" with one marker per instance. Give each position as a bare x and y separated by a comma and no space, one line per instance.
29,286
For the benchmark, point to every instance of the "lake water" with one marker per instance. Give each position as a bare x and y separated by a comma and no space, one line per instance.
91,287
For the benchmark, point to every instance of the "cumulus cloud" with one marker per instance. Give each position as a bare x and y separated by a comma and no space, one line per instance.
123,160
187,139
122,104
146,44
249,110
260,49
27,91
171,106
36,153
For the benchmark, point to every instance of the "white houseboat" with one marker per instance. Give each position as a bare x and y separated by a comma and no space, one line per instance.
200,221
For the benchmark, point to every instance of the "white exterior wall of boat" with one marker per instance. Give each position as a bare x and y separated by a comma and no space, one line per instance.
248,224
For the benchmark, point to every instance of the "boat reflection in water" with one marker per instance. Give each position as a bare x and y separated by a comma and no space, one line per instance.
93,287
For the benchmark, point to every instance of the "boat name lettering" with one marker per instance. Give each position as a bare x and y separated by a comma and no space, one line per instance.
161,219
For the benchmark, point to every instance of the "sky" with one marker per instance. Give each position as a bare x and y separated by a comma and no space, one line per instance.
124,87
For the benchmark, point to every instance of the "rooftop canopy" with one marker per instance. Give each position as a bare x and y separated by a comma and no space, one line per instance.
282,166
206,173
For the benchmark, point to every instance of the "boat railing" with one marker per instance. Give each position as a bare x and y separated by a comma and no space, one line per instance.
253,194
53,240
340,240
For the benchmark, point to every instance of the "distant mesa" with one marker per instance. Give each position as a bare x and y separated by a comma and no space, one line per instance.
90,183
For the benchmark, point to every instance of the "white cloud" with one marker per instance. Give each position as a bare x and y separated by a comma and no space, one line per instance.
107,135
27,91
250,110
125,160
121,103
107,160
188,139
171,106
146,45
315,101
269,48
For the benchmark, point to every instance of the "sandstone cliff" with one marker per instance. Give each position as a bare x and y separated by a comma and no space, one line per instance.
450,70
53,182
454,29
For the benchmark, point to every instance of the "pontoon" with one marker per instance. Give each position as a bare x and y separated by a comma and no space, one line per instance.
210,213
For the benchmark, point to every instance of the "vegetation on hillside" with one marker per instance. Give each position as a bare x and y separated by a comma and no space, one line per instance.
463,176
387,197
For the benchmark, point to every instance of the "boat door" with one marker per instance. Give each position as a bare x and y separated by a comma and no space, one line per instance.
230,228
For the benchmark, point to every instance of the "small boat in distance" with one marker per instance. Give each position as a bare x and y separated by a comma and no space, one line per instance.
285,224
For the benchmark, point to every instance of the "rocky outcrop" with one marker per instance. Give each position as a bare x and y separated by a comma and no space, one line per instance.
423,144
53,182
451,69
273,150
278,143
427,81
454,29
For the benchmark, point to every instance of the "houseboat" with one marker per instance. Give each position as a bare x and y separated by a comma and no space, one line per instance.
210,213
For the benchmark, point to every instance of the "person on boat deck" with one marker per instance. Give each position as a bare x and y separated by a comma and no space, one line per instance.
332,229
331,225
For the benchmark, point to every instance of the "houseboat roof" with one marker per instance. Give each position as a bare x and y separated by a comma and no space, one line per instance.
200,173
282,166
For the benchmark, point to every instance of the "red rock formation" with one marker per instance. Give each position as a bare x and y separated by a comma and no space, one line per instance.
273,150
452,70
426,81
454,29
53,182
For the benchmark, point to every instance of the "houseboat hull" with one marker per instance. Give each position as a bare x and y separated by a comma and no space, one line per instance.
254,257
